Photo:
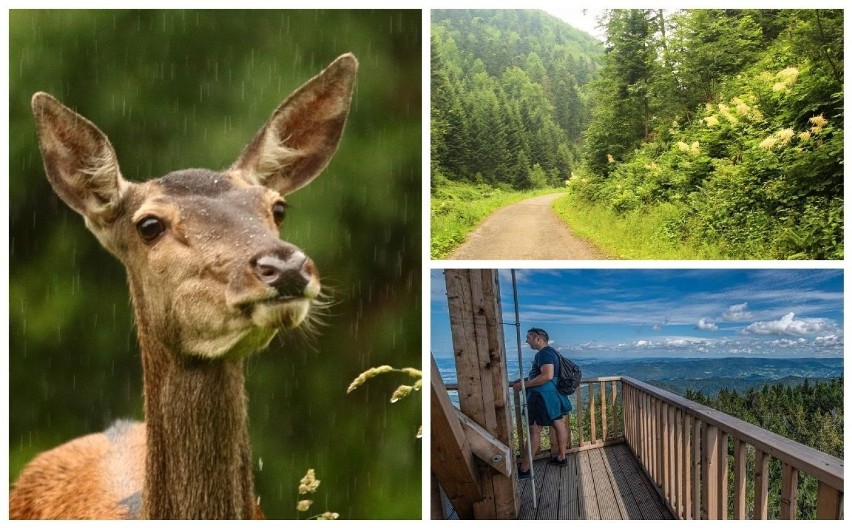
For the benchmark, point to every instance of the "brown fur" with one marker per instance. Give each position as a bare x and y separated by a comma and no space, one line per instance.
213,287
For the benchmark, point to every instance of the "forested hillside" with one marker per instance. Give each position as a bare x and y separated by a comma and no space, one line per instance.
811,414
729,120
507,96
718,131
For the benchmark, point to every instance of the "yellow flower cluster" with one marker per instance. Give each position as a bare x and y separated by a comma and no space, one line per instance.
693,149
818,123
309,483
401,392
768,143
726,113
711,120
786,78
783,137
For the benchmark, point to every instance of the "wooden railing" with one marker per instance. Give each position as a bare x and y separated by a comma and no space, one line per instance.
697,457
596,419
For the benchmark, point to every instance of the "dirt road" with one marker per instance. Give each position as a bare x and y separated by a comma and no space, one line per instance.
527,230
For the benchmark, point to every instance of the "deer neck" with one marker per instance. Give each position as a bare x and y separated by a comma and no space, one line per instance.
198,457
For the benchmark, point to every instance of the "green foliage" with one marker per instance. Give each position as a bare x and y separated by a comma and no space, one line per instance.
743,141
178,89
651,232
507,96
811,414
458,207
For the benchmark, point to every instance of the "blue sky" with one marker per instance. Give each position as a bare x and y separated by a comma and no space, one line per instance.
669,313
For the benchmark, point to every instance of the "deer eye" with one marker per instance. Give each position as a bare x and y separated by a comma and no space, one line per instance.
279,212
150,228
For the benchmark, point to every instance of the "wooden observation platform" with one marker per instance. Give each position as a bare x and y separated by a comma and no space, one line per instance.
635,451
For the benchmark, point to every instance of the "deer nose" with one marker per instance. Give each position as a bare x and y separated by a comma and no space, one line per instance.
290,276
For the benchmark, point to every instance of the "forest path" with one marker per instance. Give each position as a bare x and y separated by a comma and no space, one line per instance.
527,230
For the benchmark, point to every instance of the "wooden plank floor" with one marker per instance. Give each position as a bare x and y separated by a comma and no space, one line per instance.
605,483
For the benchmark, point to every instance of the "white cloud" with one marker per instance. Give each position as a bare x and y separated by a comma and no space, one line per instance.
704,324
737,312
829,340
790,326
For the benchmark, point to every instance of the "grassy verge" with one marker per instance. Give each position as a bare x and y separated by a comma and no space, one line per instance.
642,234
457,208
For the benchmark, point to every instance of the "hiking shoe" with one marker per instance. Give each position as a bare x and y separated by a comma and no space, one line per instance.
522,475
556,462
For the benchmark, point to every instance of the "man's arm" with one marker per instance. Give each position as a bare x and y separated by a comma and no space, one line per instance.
547,371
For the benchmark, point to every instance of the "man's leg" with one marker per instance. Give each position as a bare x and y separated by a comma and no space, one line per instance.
535,444
561,436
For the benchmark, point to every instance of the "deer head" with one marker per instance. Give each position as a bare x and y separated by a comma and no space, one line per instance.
209,275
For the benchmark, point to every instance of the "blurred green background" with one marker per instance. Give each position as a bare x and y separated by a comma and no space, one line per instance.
179,89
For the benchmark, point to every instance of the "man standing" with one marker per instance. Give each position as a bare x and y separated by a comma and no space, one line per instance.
545,404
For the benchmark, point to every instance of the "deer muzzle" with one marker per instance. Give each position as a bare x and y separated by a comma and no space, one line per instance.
293,277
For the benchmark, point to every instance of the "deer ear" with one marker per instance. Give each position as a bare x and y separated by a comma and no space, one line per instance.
301,136
79,160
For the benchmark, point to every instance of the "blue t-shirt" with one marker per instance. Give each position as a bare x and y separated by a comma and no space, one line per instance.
545,356
556,403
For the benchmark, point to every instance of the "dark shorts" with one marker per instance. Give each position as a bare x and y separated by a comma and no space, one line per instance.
537,410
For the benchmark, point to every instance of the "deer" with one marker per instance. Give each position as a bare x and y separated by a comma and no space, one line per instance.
211,283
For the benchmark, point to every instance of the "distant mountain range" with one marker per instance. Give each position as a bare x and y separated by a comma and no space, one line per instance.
711,375
702,374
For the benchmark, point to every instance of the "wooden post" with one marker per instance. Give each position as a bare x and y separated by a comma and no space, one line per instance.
789,491
476,319
723,476
696,468
626,416
829,502
710,472
678,452
519,423
658,438
579,413
687,467
739,479
647,434
592,414
670,459
761,484
613,390
666,450
603,411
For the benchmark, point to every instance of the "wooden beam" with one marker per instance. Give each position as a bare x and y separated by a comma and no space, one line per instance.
452,458
485,446
476,322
